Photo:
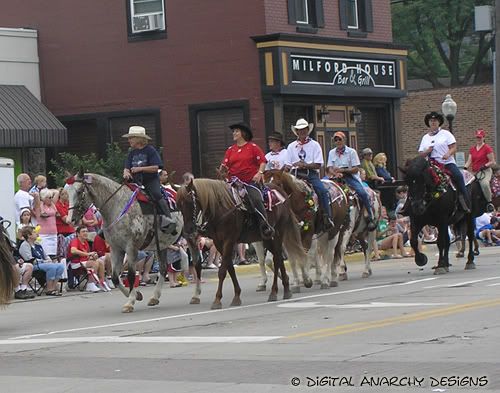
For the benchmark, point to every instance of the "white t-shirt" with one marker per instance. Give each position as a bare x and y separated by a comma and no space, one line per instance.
309,152
276,160
483,220
348,159
440,143
22,200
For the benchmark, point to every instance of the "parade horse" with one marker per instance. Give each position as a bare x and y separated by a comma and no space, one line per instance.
210,209
126,229
8,276
318,243
428,207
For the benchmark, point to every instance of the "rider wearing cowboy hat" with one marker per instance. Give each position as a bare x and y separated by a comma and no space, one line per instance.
142,165
440,145
305,158
343,161
276,158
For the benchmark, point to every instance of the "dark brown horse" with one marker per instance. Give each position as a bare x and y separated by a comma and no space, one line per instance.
209,209
8,276
320,245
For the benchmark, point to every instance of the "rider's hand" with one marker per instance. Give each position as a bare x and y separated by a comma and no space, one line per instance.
126,174
429,150
446,156
258,177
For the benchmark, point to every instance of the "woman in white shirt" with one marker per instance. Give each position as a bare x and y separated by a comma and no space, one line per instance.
440,145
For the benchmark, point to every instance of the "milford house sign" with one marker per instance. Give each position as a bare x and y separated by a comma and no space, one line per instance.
343,72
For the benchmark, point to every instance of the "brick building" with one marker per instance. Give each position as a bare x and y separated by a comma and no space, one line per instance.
187,69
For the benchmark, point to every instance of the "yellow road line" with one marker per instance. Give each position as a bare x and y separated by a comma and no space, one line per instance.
362,326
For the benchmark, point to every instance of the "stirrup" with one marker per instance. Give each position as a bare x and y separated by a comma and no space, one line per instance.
267,231
372,225
490,208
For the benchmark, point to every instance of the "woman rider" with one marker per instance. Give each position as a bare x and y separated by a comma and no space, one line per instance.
482,158
142,165
440,145
246,161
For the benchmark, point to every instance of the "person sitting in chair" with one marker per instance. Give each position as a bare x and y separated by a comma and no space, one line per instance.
142,166
305,158
439,144
246,161
343,162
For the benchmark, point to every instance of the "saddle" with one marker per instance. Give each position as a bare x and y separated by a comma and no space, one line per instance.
146,202
271,197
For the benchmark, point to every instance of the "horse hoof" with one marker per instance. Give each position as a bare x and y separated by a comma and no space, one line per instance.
153,302
421,259
317,282
470,266
440,270
138,296
236,303
296,289
195,300
343,277
216,306
127,309
324,286
287,295
261,288
334,284
308,283
476,252
367,274
272,297
459,254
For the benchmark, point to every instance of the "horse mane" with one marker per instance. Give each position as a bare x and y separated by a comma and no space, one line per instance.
293,184
417,167
213,196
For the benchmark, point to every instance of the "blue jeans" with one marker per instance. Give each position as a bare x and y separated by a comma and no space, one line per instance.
458,179
360,190
322,192
53,271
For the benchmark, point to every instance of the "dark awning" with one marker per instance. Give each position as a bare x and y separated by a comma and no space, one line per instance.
26,122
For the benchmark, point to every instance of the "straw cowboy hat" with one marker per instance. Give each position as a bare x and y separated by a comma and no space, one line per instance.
136,132
434,115
301,124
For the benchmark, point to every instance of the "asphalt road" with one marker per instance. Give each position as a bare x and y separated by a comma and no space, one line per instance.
403,326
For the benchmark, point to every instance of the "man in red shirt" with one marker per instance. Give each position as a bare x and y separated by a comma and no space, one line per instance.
481,159
80,255
246,161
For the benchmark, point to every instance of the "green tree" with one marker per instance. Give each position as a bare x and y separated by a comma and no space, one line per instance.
111,165
441,39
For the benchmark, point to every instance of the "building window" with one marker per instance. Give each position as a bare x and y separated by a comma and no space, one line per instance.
307,15
146,19
352,14
356,16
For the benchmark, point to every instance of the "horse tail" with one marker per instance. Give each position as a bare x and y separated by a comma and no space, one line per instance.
8,276
292,240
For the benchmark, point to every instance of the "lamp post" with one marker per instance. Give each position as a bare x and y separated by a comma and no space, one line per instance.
449,108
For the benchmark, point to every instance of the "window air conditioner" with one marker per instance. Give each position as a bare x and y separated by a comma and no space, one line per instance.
148,23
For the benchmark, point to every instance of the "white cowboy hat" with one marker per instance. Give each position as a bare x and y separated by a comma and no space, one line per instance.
136,132
301,124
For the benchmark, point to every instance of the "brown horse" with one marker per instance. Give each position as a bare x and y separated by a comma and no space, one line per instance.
209,209
314,239
8,276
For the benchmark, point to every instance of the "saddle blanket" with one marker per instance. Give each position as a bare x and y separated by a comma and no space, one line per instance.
168,194
270,196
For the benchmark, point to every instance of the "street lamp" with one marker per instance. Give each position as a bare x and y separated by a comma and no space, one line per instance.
449,108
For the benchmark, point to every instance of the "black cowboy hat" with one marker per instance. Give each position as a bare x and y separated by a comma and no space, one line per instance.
276,136
434,115
243,127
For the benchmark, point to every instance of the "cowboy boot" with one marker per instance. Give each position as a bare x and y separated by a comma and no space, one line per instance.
266,230
372,224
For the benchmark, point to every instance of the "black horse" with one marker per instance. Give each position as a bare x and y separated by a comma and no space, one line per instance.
427,208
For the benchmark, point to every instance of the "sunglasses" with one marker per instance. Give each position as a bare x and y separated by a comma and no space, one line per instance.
337,139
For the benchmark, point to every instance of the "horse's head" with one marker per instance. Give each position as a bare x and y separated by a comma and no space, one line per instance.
78,191
419,182
274,176
188,204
